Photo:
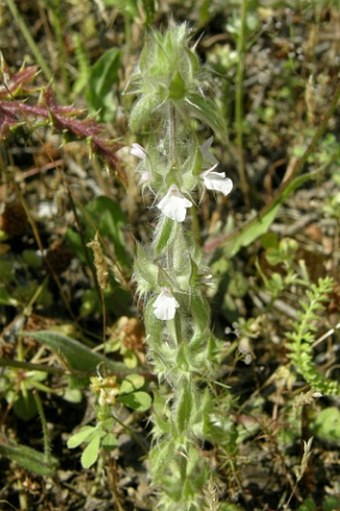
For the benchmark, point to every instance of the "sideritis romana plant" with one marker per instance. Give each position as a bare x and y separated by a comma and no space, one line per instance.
176,169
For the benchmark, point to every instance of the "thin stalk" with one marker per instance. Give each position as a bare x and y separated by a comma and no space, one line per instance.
27,366
241,51
47,446
111,470
172,136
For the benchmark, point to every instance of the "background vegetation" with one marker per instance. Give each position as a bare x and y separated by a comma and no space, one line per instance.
75,385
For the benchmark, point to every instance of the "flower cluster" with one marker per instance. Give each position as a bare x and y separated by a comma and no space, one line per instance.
174,205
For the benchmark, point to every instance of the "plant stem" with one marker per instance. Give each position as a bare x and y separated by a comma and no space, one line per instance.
239,102
47,446
195,226
172,136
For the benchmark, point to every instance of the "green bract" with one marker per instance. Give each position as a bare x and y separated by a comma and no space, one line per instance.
169,72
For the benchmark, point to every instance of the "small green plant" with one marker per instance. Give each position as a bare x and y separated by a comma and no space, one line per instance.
108,395
302,337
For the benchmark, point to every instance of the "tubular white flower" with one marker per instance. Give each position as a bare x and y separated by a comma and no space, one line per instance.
174,205
165,305
217,181
138,151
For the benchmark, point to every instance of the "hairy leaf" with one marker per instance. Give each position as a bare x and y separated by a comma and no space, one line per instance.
78,356
30,459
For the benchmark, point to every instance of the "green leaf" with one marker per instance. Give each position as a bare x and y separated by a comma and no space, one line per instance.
196,162
78,356
160,457
201,312
76,244
160,420
139,401
103,75
152,325
72,395
261,224
176,87
146,273
142,110
91,452
165,234
25,406
130,359
81,436
206,110
238,285
108,218
6,299
327,425
184,407
30,459
109,441
131,383
308,505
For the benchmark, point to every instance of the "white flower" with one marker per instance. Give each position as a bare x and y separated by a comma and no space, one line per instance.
138,151
217,181
165,305
145,177
174,205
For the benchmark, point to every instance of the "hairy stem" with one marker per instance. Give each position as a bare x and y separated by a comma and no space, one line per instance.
239,102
